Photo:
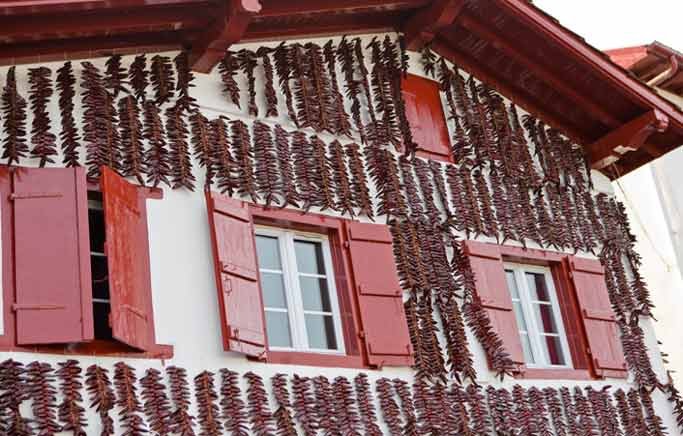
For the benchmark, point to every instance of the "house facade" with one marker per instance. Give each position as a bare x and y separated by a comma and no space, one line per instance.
339,234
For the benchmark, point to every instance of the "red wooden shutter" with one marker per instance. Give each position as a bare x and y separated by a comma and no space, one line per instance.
426,117
380,297
598,318
127,247
492,288
52,256
237,277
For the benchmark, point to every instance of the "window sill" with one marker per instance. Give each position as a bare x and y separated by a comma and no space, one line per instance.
554,374
99,348
315,359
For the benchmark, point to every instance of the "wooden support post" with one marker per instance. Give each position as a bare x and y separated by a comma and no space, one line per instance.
628,137
229,29
422,27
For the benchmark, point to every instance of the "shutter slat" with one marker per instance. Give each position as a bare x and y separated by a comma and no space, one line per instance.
127,261
380,297
52,257
493,292
239,292
598,318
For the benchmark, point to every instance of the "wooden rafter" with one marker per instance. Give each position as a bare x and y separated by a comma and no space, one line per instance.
230,28
628,137
513,51
422,27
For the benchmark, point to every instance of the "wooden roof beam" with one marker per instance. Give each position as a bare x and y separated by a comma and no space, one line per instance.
229,29
510,49
628,137
422,27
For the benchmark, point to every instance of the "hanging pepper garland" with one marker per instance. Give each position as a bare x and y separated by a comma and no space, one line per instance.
162,79
14,115
157,161
133,161
228,69
42,138
40,378
180,420
70,411
101,396
208,412
232,406
69,135
138,77
156,405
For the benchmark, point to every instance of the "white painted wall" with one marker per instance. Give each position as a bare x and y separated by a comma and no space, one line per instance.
186,312
654,198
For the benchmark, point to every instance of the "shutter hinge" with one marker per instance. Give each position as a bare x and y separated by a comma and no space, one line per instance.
23,306
347,244
23,195
361,334
588,351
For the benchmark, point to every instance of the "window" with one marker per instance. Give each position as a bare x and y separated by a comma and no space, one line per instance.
537,312
101,301
299,296
426,117
306,289
551,311
80,275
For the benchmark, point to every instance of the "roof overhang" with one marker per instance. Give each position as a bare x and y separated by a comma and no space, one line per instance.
523,52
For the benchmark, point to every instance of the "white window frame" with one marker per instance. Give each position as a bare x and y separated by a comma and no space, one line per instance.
533,329
290,275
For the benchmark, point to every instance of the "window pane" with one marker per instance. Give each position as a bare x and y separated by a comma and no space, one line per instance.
519,315
545,318
309,257
526,347
315,294
538,288
277,325
273,290
552,348
267,249
512,284
320,330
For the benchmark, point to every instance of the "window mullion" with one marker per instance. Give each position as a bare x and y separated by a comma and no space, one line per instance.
334,296
297,309
289,289
532,328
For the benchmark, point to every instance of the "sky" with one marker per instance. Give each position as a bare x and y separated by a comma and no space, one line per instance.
607,24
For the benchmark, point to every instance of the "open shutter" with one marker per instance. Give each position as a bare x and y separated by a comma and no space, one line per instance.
52,256
492,289
598,318
127,250
426,117
380,297
237,277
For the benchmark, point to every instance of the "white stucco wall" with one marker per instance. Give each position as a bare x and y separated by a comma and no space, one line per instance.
186,313
654,196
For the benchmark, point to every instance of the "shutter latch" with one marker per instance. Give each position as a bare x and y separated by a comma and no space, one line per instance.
23,306
23,195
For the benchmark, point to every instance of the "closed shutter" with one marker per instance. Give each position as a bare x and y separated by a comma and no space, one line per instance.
380,297
127,249
237,277
492,289
426,117
52,256
598,318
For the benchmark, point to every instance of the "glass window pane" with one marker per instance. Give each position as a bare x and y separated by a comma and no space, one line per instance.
538,288
545,318
320,330
277,325
512,284
526,347
273,290
315,294
267,249
552,348
519,315
309,257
